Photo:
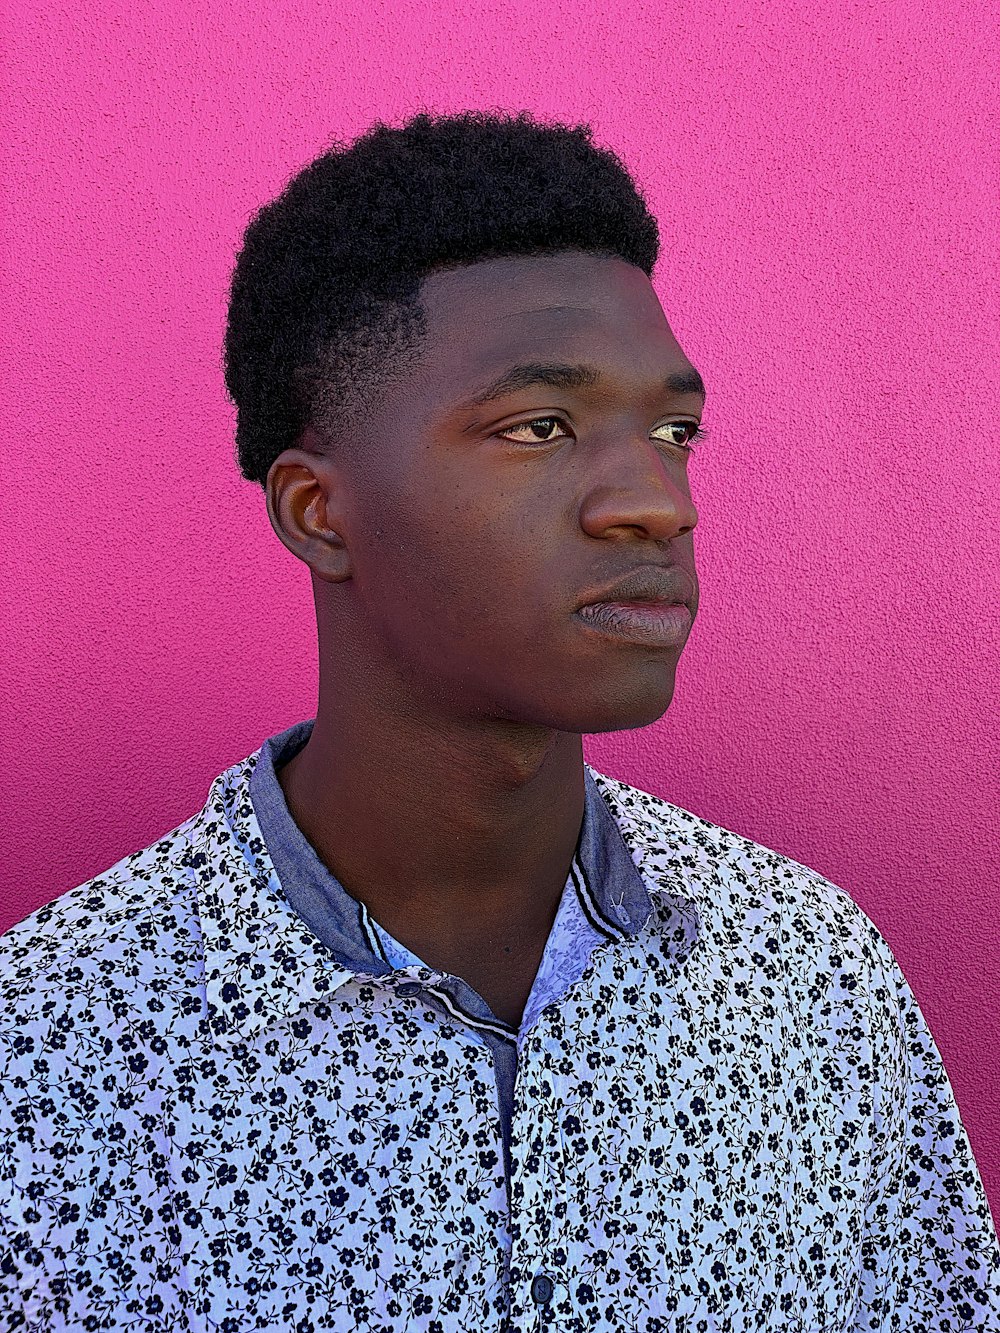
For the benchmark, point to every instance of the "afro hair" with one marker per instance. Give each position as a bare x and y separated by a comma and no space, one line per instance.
325,287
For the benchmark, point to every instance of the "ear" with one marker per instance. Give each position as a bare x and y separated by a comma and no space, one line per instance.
305,500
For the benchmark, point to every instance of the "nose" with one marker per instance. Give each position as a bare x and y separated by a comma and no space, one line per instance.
643,489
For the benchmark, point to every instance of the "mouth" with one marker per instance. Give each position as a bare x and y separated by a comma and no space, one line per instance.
656,624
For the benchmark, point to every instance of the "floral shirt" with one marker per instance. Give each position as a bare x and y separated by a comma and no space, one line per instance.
604,897
733,1119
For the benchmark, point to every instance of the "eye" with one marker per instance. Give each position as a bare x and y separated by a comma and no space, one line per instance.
537,431
541,430
681,433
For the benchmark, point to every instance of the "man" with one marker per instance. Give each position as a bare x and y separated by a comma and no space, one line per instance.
422,1023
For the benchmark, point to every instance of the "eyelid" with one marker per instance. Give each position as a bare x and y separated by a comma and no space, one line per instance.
535,416
677,421
557,414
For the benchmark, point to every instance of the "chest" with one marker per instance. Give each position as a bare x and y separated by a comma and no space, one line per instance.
349,1162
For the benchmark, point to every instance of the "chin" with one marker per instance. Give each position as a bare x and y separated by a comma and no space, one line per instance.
629,710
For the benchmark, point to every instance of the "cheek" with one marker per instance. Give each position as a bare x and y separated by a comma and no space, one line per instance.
462,577
430,562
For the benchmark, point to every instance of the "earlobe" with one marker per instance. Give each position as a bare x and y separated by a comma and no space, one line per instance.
302,492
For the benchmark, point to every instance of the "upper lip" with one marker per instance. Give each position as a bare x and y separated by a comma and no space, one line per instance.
649,583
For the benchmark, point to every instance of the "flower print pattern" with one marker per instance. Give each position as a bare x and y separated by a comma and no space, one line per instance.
735,1119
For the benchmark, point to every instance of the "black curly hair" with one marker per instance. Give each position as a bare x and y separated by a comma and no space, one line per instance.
325,288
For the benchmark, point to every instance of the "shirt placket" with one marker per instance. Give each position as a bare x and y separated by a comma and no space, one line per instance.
537,1278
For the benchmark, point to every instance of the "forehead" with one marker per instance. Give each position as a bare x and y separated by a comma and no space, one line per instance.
569,307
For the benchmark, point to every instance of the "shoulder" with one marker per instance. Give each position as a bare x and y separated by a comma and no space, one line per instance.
746,894
139,913
114,926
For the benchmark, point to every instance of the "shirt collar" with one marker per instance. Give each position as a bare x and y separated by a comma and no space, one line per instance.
280,931
612,890
311,888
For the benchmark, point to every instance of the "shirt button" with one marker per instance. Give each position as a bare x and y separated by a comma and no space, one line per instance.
541,1289
409,988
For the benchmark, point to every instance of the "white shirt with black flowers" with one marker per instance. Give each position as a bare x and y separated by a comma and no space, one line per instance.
734,1119
604,897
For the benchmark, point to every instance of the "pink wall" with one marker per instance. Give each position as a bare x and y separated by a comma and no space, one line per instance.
828,198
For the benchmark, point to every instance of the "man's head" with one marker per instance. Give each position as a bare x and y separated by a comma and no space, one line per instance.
459,390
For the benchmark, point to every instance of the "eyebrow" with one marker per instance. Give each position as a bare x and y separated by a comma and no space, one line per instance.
559,376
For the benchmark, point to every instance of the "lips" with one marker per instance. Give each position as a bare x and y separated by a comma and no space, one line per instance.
649,584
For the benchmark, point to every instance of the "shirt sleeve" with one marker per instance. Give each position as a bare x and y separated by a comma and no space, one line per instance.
930,1262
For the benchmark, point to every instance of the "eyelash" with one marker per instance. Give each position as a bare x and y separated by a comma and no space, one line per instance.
698,432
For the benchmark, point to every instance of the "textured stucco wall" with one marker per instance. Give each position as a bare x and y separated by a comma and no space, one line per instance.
827,189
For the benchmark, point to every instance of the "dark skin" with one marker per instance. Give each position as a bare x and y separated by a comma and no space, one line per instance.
450,543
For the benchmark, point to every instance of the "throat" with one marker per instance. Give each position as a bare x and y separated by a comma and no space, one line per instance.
506,995
503,978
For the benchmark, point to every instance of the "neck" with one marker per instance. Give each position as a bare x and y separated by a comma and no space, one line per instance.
457,834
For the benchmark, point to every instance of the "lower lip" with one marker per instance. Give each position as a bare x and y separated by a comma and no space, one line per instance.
659,626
